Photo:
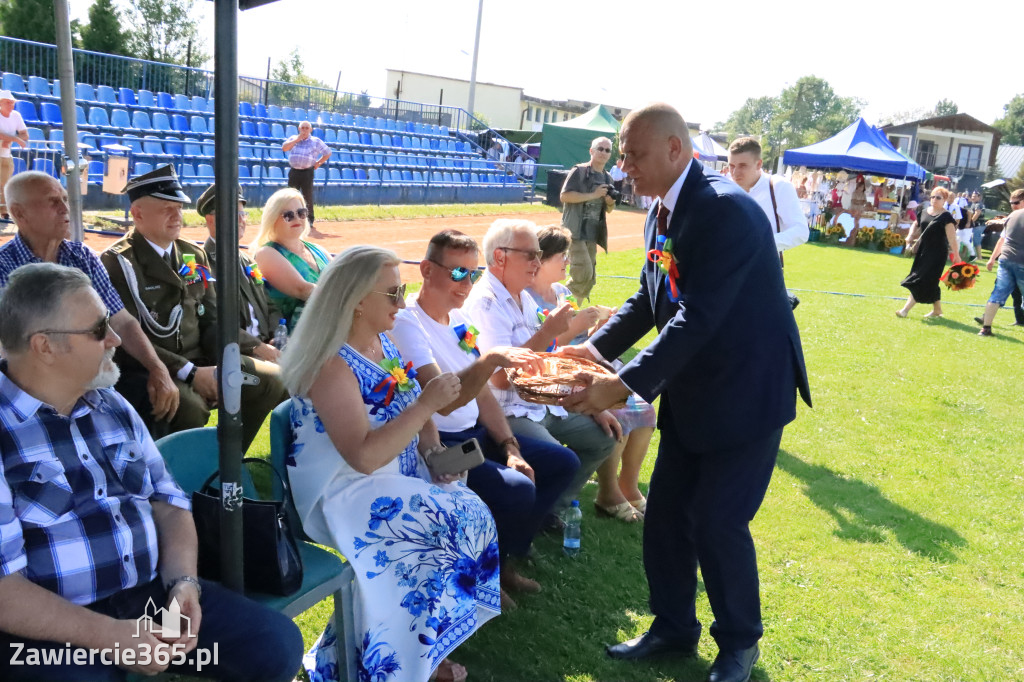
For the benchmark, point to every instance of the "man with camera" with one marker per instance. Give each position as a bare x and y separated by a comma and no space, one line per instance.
587,196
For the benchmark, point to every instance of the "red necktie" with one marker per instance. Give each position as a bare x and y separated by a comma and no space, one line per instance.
662,218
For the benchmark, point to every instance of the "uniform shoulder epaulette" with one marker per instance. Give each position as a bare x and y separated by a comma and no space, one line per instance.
120,246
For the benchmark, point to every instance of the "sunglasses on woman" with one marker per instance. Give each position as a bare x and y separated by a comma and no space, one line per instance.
290,215
395,293
98,332
460,273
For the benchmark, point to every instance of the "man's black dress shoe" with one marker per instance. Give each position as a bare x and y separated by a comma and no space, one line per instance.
649,645
979,321
734,666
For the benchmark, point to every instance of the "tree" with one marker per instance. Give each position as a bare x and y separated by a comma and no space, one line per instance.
292,70
163,30
29,20
1011,125
753,118
946,107
103,32
905,116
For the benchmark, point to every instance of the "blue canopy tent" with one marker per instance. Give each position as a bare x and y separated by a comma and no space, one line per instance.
858,148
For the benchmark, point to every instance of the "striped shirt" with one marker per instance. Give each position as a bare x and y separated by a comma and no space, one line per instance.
75,494
16,253
307,152
503,323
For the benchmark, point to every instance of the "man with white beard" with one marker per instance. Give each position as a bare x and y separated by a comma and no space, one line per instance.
92,525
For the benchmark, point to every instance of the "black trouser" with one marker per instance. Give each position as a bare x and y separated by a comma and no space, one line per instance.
1018,309
302,180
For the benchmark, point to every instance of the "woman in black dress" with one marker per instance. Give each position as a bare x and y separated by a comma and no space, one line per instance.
932,239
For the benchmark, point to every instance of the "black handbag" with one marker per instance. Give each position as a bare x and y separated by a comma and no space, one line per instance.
270,556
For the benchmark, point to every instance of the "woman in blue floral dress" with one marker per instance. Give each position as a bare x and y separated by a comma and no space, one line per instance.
424,549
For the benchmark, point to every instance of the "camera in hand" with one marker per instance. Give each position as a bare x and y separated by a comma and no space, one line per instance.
614,193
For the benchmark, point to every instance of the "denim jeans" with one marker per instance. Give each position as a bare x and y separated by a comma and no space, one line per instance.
1009,277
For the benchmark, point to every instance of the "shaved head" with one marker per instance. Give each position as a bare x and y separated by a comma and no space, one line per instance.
659,119
655,145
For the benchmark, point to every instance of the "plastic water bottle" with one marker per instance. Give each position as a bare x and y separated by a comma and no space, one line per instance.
571,534
281,334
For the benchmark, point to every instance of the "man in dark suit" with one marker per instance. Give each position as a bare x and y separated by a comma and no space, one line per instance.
165,283
727,364
256,328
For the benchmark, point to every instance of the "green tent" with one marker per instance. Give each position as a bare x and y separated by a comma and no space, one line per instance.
568,143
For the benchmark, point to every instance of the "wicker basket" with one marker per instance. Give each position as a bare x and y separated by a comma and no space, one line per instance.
558,380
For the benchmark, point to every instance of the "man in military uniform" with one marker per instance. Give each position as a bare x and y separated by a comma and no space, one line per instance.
165,282
256,327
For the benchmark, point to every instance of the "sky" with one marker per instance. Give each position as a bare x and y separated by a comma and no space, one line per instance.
704,59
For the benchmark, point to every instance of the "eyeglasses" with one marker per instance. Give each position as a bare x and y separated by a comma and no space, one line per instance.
99,331
1019,201
395,294
529,253
938,196
460,273
242,215
290,215
606,150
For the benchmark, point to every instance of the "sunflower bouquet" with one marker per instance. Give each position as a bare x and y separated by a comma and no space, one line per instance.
866,236
833,233
960,276
891,238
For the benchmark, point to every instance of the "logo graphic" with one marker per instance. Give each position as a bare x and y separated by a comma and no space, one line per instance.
169,624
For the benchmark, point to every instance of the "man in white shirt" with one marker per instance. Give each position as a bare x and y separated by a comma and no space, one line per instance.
775,195
507,315
521,478
12,131
618,176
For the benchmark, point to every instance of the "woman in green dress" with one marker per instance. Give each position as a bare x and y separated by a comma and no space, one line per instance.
290,265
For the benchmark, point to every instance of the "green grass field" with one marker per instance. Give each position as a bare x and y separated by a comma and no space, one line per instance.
891,541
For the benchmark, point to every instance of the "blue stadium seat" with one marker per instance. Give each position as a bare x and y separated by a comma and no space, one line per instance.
320,174
277,154
199,125
276,173
96,172
80,117
435,144
406,176
261,152
260,110
334,175
134,142
187,172
147,100
348,175
245,151
161,122
243,174
182,103
273,111
105,94
277,131
361,174
391,159
313,116
385,140
15,83
141,168
179,123
287,114
247,129
436,178
174,146
343,136
140,121
105,140
89,140
393,125
56,88
418,176
45,166
375,139
50,114
263,130
39,87
257,172
357,157
84,92
209,148
198,103
245,109
318,132
299,114
474,178
192,148
206,171
211,106
291,130
374,176
344,159
98,118
127,97
164,100
120,119
153,146
364,139
347,119
444,131
27,111
330,136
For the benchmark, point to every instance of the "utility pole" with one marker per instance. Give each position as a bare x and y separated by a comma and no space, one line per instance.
66,71
476,53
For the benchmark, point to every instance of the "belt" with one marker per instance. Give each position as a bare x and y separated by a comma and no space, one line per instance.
302,169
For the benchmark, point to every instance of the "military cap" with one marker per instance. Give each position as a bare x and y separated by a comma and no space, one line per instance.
160,183
207,202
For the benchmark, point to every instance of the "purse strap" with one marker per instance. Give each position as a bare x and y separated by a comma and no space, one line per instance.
775,208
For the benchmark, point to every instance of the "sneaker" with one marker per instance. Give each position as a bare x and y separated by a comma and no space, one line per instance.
986,331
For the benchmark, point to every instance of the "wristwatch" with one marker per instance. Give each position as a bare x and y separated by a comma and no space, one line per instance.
191,375
191,580
512,440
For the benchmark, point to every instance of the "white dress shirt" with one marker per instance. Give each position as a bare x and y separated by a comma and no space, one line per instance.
792,230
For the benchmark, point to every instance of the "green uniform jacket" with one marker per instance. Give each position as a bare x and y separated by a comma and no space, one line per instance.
252,293
162,288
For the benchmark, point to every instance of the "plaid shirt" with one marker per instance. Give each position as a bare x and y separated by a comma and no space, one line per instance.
75,493
503,323
307,152
16,253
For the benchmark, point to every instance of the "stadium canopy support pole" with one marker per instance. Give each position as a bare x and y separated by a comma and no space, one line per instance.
229,423
66,71
476,52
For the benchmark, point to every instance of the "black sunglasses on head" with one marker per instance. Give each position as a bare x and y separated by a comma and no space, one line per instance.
98,332
460,273
290,215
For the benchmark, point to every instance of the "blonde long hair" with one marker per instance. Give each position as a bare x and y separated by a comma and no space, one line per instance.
271,212
327,319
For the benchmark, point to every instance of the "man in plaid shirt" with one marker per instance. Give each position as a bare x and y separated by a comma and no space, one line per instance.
92,525
305,154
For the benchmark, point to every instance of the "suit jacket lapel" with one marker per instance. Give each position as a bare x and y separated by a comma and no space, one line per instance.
151,263
252,294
